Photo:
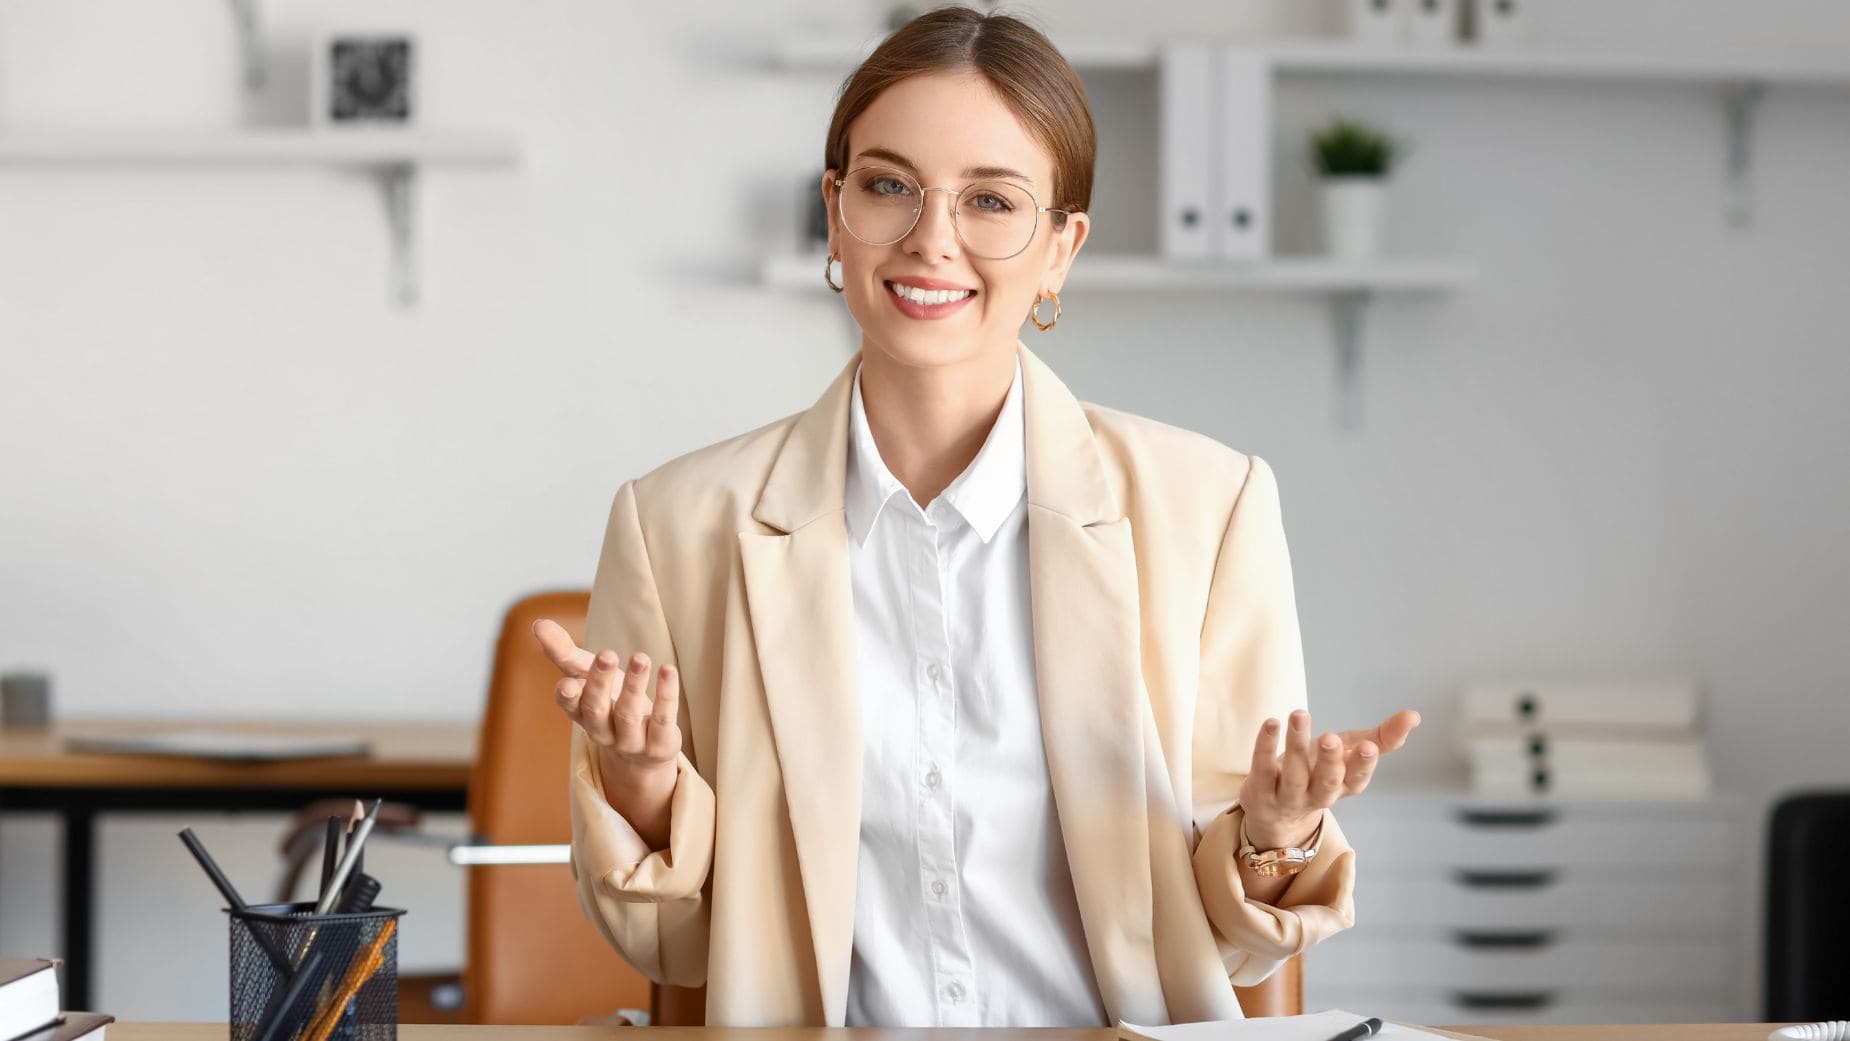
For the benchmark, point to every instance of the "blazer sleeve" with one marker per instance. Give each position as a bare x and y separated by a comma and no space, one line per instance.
648,904
1252,669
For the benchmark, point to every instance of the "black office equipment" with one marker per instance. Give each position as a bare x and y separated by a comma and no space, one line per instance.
1808,908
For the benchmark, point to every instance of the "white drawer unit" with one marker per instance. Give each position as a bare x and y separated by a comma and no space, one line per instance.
1528,911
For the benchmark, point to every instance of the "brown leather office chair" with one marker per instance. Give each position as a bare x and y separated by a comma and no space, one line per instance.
532,956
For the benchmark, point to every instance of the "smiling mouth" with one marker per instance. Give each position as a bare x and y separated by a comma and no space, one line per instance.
928,297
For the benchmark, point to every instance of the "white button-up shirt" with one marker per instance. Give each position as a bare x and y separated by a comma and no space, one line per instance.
964,913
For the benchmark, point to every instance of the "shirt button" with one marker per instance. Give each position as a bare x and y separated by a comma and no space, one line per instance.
955,992
937,887
932,779
933,670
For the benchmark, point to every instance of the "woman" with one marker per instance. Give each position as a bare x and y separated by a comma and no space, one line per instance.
993,760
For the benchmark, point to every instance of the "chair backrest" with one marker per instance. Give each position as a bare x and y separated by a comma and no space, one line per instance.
1280,994
532,956
1808,908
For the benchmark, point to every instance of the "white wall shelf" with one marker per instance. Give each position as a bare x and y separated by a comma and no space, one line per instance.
1348,287
394,157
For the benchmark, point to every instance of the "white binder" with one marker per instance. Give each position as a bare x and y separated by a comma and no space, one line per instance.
1186,205
1244,122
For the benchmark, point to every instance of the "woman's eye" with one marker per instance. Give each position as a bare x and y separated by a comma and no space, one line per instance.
887,186
992,203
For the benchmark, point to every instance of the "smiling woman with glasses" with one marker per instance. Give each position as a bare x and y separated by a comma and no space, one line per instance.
953,700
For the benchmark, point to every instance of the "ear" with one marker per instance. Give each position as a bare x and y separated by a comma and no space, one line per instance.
1065,247
828,203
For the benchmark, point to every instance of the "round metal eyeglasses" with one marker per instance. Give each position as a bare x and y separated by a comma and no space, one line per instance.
994,220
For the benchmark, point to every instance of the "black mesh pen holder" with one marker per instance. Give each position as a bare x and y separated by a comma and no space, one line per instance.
300,976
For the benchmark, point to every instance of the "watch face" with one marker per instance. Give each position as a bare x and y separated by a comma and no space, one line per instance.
369,79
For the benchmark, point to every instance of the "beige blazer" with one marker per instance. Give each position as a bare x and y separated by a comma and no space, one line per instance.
1165,632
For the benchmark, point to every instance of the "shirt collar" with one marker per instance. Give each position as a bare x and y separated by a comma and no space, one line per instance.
984,494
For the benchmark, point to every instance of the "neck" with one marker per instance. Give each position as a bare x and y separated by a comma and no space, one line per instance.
929,422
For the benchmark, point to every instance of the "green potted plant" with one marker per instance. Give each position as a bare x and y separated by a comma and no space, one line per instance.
1353,160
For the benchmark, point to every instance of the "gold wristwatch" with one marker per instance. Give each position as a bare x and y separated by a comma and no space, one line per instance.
1277,863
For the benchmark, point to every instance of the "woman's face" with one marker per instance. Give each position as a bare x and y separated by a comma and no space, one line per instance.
941,128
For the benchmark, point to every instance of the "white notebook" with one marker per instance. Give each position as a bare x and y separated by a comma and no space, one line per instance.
217,744
1318,1026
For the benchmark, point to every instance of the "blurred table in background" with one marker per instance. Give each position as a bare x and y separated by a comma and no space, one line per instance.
424,764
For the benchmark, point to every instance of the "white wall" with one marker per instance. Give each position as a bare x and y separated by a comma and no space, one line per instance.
236,482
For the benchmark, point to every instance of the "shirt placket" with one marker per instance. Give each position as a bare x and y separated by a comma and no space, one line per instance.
953,973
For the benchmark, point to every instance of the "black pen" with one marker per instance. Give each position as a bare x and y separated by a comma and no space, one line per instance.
230,893
1366,1028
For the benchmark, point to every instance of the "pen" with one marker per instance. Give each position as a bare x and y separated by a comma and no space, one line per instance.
1366,1028
330,850
230,893
354,845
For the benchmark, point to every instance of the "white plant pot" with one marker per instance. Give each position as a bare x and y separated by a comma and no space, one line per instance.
1354,216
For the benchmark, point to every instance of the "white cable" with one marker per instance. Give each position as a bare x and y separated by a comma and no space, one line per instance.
1835,1030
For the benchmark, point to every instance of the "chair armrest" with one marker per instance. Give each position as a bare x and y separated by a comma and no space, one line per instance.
470,854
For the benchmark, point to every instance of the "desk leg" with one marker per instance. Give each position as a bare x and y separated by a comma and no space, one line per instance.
79,894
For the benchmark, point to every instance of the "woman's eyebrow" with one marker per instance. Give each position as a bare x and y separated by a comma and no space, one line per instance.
980,172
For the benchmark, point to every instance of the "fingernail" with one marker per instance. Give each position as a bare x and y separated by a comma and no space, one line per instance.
639,666
1300,719
1329,741
1368,753
606,660
1271,726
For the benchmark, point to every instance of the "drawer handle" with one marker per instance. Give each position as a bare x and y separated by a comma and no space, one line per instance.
1486,1000
1506,818
1505,879
1505,940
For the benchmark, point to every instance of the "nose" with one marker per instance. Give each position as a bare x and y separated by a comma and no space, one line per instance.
935,233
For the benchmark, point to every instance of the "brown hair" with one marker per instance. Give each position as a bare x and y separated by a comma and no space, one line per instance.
1032,77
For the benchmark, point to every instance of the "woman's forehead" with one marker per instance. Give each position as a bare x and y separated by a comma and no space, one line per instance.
947,125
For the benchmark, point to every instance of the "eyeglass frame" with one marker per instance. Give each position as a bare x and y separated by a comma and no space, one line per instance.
954,193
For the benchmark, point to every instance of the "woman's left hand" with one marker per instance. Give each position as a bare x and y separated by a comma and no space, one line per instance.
1284,796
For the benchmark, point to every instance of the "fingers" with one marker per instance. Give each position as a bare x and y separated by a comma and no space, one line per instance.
1326,776
630,713
664,740
1294,773
1389,736
1396,728
598,698
559,646
1361,766
1265,757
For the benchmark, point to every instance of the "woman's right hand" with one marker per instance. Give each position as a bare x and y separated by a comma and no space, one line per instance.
635,737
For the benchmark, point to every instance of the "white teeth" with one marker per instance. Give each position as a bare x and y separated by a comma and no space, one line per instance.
928,296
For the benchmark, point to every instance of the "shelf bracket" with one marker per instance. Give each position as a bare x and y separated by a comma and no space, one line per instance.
1348,308
398,182
1740,103
249,20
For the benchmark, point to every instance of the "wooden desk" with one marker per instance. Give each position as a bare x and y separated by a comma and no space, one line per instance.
217,1032
426,765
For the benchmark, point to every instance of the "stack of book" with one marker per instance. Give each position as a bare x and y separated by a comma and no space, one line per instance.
29,1005
1637,740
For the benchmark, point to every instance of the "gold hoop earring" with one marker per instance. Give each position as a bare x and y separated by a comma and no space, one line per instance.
1034,312
828,272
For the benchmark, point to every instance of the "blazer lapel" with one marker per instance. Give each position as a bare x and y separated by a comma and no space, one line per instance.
800,601
1083,591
